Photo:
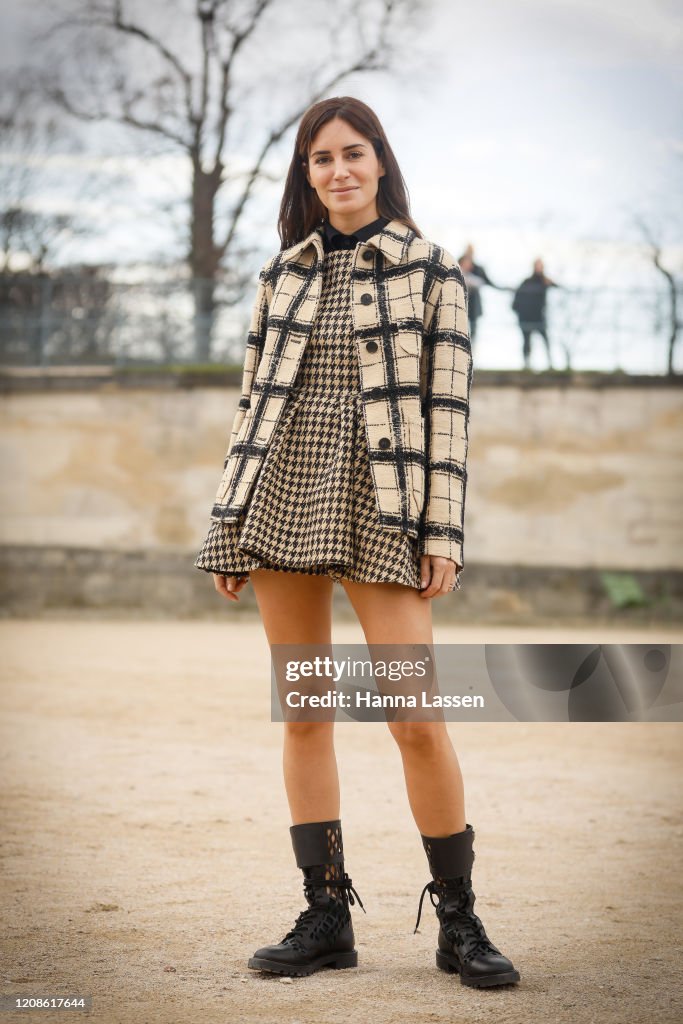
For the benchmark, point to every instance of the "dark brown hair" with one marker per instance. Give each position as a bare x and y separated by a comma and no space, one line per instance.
301,209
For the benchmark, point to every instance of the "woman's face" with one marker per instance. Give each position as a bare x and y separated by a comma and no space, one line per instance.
344,170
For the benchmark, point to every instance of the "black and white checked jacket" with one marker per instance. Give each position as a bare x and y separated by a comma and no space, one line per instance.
410,328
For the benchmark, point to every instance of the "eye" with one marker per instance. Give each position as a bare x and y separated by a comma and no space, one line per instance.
322,159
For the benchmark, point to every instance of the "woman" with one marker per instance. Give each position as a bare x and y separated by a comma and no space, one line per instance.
347,464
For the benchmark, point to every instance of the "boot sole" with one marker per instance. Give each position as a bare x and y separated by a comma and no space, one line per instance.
451,964
337,961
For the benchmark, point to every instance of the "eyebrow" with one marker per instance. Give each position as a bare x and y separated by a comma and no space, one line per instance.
354,145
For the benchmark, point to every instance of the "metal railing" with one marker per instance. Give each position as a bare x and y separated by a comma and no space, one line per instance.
155,324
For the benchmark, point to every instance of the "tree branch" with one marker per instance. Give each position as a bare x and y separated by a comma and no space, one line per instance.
131,29
57,95
240,36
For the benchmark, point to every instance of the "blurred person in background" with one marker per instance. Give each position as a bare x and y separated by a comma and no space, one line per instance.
474,283
475,278
529,305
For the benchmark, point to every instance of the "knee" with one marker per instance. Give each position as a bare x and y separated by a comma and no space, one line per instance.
309,733
420,738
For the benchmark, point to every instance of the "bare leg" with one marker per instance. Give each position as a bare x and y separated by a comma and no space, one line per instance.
297,608
392,613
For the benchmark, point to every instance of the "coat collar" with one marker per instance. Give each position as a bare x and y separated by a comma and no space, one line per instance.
392,241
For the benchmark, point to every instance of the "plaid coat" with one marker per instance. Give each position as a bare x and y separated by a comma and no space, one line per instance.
409,303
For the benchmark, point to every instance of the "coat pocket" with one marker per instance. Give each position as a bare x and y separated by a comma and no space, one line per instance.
409,334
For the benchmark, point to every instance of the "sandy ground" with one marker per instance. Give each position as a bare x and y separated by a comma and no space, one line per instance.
145,847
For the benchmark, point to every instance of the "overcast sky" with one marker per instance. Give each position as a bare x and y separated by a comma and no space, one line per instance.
539,127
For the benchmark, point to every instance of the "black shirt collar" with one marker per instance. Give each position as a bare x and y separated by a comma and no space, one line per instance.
335,239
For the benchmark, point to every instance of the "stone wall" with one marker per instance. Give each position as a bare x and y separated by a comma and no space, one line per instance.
565,472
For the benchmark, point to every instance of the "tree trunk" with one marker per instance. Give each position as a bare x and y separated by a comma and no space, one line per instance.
203,257
675,325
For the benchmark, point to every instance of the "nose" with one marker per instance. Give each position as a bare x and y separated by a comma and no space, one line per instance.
340,171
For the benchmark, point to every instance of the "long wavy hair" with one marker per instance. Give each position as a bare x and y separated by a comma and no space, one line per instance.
301,209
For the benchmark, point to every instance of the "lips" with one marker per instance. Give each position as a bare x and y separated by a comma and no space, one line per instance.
352,189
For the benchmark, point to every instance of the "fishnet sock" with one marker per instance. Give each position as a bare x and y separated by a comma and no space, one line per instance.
333,871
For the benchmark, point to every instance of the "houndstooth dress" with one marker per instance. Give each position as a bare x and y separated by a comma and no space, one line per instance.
313,507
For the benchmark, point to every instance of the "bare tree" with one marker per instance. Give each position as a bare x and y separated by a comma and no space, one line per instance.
27,137
186,79
653,238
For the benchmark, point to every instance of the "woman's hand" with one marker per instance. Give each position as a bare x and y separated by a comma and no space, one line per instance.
229,586
438,574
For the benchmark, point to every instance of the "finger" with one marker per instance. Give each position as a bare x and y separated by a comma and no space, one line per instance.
233,584
425,572
447,582
448,576
437,578
224,585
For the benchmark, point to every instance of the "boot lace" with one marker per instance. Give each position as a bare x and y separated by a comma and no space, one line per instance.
344,883
466,930
318,921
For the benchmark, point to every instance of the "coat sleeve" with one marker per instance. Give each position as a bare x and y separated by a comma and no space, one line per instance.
255,342
449,369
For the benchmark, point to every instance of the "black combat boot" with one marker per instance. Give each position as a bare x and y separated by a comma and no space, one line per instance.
464,946
323,934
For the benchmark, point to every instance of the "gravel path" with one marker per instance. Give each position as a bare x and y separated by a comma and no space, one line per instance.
145,849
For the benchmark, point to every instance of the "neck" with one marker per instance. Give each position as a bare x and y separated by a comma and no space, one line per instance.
351,222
